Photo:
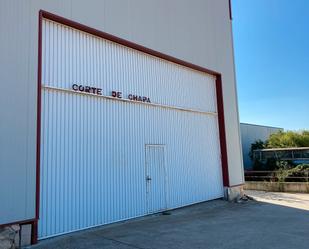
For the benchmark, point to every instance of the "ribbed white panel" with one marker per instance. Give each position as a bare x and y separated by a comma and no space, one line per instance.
72,57
93,148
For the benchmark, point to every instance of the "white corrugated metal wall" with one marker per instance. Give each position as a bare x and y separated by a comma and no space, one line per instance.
250,133
93,147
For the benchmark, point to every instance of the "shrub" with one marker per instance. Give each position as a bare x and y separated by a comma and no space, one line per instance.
281,139
286,139
285,170
257,145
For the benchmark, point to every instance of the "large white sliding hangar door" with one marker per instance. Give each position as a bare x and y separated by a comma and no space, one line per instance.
123,133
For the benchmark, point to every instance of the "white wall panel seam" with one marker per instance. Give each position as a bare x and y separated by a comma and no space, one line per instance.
205,90
129,101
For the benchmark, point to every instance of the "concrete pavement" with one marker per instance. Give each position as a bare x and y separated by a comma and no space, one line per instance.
213,224
294,200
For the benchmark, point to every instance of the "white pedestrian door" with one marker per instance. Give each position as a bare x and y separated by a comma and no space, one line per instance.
155,178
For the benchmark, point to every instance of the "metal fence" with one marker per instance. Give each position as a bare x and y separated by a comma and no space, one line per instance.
296,155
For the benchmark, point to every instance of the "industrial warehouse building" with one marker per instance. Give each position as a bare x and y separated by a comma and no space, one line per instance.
114,109
250,133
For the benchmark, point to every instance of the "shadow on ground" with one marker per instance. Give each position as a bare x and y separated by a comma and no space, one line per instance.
213,224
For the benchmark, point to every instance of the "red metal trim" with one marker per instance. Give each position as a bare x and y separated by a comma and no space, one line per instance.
20,222
224,160
123,42
34,233
230,10
39,86
79,26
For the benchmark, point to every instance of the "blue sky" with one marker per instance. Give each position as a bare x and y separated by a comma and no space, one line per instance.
271,40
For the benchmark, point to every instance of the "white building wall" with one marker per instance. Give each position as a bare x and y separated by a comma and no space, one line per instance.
250,133
196,31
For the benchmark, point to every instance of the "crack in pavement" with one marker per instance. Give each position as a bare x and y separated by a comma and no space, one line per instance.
124,243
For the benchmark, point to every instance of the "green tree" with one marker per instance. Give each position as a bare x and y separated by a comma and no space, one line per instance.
257,145
285,139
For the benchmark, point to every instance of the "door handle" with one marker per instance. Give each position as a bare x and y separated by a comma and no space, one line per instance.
148,178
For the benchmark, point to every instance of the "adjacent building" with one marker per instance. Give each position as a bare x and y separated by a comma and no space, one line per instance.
250,133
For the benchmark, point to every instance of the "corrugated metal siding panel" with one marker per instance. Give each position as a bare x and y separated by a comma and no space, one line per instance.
251,133
110,66
93,148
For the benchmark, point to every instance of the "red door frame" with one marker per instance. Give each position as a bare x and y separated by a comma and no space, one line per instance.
79,26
